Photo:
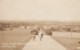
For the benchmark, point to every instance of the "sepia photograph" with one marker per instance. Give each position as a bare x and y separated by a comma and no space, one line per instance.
39,24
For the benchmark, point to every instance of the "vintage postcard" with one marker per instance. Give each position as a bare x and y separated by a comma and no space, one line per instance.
39,24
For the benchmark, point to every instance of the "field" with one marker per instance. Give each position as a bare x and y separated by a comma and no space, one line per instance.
14,39
69,43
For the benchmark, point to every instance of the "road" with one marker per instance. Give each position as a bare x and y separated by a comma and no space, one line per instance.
47,43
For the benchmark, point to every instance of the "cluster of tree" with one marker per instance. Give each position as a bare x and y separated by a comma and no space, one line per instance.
68,28
5,26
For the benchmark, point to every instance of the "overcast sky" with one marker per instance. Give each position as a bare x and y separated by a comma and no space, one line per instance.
40,10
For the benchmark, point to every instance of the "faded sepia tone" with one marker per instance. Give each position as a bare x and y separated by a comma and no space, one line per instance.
39,24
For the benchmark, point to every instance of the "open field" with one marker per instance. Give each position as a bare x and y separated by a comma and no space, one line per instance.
14,39
69,43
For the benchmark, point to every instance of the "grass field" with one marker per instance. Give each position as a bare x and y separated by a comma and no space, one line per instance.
69,43
14,39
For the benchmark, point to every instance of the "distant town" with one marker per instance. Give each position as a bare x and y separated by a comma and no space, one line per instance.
53,26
